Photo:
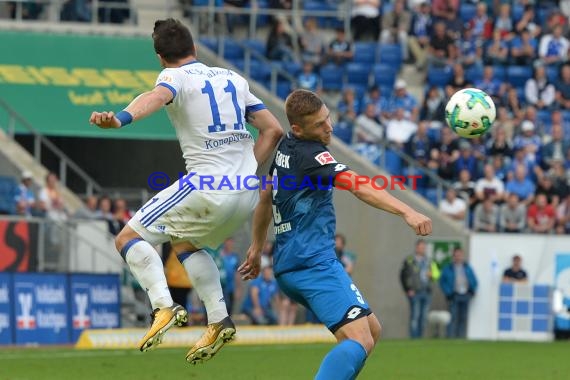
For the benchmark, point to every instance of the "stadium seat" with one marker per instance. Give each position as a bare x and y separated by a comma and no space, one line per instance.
391,54
393,162
283,89
239,64
544,117
431,196
262,20
439,76
384,75
259,72
344,132
332,77
256,45
474,73
365,52
320,6
387,7
500,73
434,134
552,74
8,191
293,68
232,51
210,42
517,12
357,74
467,11
518,75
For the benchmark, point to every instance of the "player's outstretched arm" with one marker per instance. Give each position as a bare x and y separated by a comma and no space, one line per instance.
383,200
142,106
261,219
270,132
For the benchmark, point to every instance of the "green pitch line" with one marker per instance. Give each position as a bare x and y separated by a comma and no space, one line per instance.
398,360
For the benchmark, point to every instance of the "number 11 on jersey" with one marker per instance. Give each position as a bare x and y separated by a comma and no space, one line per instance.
217,125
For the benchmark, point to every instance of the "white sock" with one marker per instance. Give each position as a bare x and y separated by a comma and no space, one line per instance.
205,278
147,268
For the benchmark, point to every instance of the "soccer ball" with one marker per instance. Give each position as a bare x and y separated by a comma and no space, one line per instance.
470,112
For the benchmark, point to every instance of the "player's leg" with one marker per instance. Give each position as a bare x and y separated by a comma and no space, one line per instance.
220,215
205,278
146,265
330,293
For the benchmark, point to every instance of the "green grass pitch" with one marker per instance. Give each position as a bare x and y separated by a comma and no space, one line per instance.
396,359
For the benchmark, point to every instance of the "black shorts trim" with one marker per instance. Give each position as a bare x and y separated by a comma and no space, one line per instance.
362,312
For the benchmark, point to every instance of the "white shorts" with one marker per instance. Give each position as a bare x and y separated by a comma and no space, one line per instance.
205,219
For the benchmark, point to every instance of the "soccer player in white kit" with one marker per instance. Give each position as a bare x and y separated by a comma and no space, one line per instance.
208,107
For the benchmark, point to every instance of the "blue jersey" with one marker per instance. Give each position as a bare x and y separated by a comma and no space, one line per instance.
303,212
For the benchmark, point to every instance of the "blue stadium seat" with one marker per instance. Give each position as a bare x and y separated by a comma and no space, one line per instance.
359,92
391,54
517,12
434,134
358,74
552,73
316,6
210,42
365,52
332,77
500,73
566,117
292,68
283,89
393,162
431,195
439,76
474,73
384,75
239,64
8,191
262,20
259,72
256,45
344,132
544,118
518,75
232,51
467,11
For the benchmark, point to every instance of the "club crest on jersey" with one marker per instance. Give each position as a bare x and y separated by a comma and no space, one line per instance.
325,158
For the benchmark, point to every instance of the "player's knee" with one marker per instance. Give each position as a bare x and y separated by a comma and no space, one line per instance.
375,330
366,341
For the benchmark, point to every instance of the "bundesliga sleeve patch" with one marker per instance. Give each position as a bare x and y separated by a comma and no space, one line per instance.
325,158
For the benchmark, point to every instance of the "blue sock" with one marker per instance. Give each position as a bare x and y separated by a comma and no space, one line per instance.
343,362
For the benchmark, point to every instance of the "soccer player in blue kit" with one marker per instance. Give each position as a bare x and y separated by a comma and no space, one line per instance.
305,262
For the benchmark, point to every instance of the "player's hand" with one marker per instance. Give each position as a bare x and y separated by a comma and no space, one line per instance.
252,264
420,223
105,120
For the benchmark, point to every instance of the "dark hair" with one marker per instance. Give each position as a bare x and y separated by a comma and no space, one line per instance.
172,40
301,103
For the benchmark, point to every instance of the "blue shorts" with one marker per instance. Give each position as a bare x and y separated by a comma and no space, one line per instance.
328,291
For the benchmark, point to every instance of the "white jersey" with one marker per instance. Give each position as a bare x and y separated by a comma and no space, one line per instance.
208,112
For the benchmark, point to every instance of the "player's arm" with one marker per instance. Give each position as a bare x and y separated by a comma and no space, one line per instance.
142,106
270,132
261,219
383,200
